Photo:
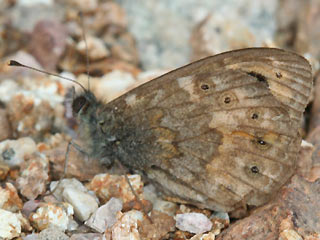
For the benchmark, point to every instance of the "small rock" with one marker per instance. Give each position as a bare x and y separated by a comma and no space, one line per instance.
52,233
73,192
193,222
34,176
289,234
96,48
72,183
30,113
112,85
84,5
4,170
110,13
52,214
169,208
87,236
9,198
220,221
206,236
105,216
216,34
304,161
13,152
10,226
106,186
126,227
32,236
30,206
84,204
5,131
314,138
159,228
150,193
48,42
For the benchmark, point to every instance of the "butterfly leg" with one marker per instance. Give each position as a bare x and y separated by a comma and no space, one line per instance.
133,191
78,148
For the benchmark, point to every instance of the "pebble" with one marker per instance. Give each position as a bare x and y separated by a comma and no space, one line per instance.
113,84
48,42
206,236
96,48
9,198
289,234
72,191
72,183
126,227
52,233
52,215
150,194
105,216
159,228
193,222
87,236
84,204
4,170
220,221
13,152
34,175
10,225
5,131
106,186
85,5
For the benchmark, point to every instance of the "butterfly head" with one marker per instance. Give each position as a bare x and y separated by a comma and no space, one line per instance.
84,107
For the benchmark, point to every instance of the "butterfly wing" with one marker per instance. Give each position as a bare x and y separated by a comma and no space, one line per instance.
217,133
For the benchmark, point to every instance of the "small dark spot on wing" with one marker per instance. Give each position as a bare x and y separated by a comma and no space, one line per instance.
255,116
254,169
278,75
227,100
204,86
258,76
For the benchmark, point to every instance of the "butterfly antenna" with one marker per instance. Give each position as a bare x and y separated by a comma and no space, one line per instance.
17,64
86,47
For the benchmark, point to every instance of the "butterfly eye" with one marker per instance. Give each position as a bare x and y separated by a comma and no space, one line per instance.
78,104
204,86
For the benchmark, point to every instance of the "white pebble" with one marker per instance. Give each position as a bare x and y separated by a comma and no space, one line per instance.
83,203
52,215
105,216
10,226
193,222
13,152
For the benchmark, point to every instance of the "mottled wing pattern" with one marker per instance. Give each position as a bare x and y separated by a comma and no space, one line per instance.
219,132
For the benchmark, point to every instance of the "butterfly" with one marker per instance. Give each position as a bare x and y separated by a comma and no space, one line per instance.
218,133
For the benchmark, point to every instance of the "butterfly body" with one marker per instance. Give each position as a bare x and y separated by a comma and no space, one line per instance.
216,133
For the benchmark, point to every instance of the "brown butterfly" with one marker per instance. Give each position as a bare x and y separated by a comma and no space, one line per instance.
218,133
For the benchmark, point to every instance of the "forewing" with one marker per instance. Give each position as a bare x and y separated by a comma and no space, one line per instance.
220,132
